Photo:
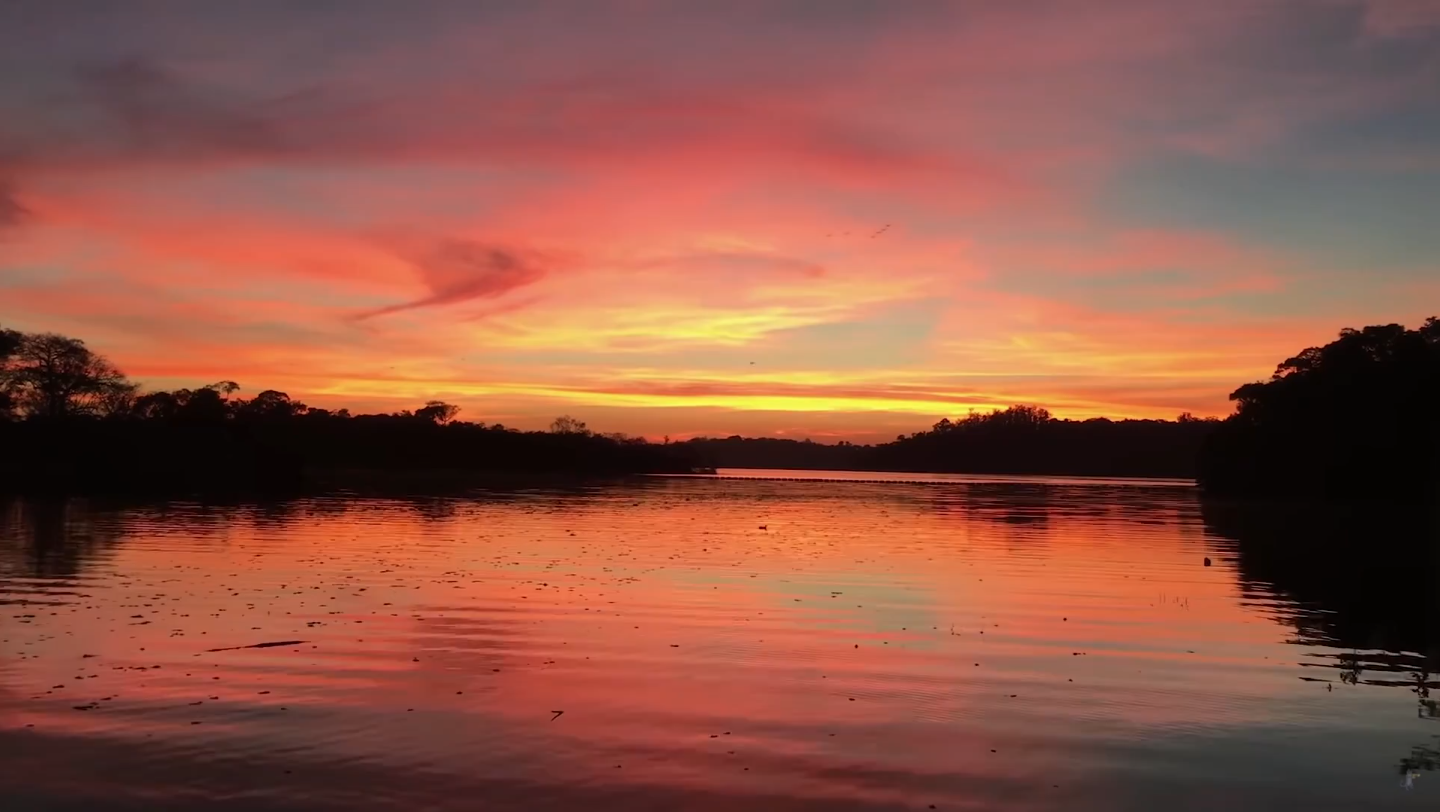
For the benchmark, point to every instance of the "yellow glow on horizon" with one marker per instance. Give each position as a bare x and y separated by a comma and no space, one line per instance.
930,408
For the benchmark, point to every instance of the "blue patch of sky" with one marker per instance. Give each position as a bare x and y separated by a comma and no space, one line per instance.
1342,219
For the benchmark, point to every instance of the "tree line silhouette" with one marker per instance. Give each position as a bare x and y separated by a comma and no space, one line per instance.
69,421
1017,440
1358,418
1354,418
1028,440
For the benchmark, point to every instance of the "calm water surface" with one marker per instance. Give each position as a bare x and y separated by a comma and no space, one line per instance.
1015,645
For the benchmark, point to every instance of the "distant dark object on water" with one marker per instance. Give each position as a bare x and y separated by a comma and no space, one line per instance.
1207,561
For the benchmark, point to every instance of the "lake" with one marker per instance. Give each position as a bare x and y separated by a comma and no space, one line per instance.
701,644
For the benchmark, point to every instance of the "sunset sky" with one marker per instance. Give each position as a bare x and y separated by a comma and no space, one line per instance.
830,218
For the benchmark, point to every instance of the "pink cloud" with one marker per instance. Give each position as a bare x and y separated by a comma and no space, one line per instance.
456,271
618,182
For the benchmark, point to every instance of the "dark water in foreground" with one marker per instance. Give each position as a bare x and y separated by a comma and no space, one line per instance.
1007,645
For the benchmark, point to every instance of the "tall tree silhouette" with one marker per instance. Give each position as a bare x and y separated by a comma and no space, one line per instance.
270,405
9,344
54,376
437,411
1356,418
565,424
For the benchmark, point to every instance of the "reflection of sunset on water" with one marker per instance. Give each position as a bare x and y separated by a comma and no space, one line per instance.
709,641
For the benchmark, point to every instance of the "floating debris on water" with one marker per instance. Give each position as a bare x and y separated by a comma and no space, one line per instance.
258,645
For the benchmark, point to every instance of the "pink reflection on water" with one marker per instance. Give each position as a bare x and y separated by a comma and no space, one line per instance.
872,645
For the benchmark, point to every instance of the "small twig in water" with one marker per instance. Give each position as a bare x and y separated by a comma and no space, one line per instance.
259,645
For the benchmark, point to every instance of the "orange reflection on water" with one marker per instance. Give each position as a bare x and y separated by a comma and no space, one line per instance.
791,643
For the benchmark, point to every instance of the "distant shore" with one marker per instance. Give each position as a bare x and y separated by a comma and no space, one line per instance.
1354,420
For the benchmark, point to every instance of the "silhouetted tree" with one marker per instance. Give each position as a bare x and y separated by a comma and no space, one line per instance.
203,405
155,406
437,412
565,424
9,344
270,405
116,401
49,375
1356,418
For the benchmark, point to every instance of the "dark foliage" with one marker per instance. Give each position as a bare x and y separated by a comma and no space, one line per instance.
1027,440
773,452
275,449
71,423
91,455
9,343
1018,440
49,375
1356,419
